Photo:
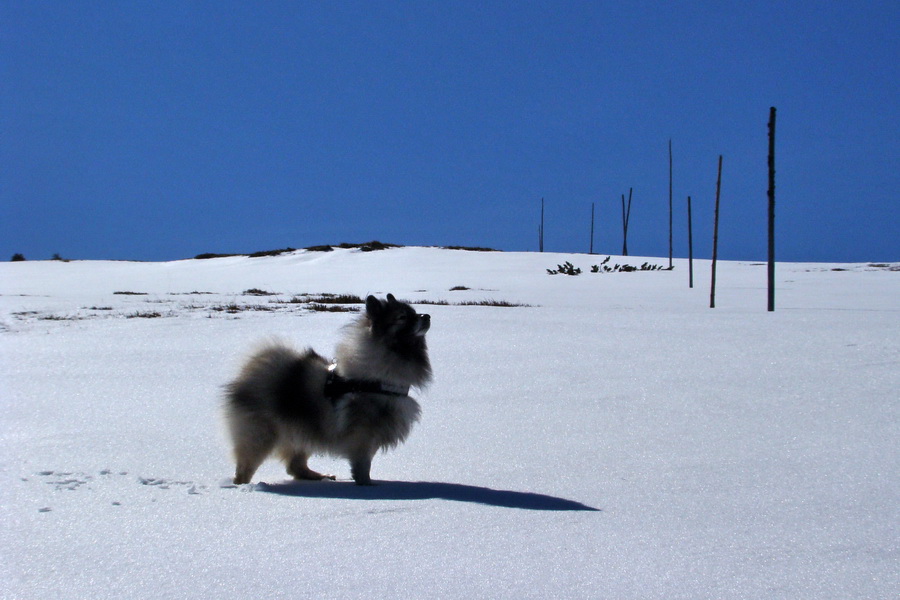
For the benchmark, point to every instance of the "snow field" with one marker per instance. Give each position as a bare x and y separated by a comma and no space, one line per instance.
614,439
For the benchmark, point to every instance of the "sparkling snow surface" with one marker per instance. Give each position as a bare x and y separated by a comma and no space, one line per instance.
615,439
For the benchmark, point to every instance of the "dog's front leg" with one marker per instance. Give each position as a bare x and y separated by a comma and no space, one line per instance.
360,465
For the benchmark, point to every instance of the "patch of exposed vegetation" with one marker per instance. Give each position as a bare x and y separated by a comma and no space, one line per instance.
325,298
336,299
489,302
470,248
234,307
627,268
294,300
208,255
318,307
364,247
497,303
59,318
272,302
568,268
195,293
885,266
370,246
271,252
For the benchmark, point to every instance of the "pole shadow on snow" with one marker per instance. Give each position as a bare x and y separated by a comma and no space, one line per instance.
423,490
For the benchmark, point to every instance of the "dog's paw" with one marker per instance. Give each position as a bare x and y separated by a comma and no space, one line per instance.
310,475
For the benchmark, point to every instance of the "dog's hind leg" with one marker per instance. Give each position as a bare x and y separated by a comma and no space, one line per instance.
248,461
298,469
253,442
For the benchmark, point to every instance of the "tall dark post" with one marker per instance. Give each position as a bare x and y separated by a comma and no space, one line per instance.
690,248
670,203
626,216
715,253
541,229
772,209
592,228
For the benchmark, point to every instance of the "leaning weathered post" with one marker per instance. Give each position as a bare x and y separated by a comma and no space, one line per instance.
626,216
690,248
772,209
712,289
670,203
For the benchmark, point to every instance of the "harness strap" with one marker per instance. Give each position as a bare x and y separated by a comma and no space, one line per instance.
337,386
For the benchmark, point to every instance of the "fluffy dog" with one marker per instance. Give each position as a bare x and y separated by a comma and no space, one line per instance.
297,404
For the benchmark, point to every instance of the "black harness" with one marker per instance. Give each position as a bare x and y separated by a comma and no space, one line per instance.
337,386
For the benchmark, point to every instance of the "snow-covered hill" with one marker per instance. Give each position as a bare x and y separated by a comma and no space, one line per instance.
609,436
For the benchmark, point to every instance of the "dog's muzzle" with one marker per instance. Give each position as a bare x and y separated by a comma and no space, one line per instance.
423,324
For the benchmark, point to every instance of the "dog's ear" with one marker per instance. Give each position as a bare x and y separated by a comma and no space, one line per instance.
373,306
391,299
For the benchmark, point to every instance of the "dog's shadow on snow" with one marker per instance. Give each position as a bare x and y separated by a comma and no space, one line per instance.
422,490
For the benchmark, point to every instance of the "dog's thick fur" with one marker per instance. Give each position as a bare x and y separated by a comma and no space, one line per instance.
279,404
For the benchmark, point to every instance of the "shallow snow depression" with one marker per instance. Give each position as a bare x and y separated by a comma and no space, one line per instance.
608,435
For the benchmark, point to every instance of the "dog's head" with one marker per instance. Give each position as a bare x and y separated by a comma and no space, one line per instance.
387,343
396,323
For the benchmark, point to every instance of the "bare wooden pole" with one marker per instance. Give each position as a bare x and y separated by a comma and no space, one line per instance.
715,252
771,209
670,203
626,216
541,229
591,248
690,248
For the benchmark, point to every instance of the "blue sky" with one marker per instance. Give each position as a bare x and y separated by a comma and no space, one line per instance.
161,130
